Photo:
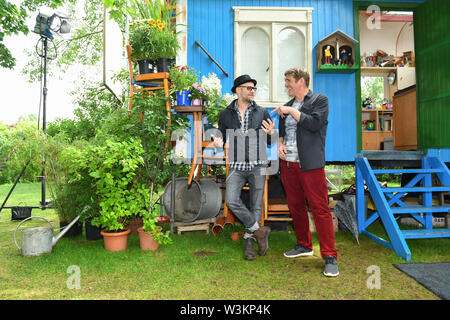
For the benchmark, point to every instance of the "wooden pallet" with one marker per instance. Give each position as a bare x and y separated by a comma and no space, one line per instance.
199,225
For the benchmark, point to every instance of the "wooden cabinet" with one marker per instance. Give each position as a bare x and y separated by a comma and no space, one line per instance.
405,119
382,128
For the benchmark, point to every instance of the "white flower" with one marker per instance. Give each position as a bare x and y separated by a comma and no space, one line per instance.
228,98
212,84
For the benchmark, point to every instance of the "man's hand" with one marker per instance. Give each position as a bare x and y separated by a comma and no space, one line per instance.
269,126
283,111
218,142
282,151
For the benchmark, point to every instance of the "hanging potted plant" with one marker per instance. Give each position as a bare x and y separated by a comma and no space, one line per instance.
182,79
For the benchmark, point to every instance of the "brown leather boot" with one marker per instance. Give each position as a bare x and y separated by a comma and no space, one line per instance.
249,251
262,238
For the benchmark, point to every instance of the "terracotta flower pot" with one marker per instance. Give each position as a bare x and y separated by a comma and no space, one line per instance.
146,241
235,236
115,241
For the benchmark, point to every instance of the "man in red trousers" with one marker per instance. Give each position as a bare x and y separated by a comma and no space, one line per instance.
301,148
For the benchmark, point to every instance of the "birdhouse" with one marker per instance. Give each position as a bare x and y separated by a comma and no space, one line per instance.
335,53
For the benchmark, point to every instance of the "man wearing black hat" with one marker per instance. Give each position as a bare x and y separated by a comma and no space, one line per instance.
248,127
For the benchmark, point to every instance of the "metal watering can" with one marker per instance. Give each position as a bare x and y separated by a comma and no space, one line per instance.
39,240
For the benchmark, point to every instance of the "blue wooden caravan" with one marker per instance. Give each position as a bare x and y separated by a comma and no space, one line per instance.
397,41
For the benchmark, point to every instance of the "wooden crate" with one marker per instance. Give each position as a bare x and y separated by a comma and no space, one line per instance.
199,225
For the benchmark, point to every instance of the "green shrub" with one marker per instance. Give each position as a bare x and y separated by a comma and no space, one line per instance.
18,145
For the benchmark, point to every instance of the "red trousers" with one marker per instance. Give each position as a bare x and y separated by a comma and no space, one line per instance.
311,186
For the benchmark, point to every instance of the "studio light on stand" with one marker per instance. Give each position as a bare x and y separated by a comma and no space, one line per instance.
45,27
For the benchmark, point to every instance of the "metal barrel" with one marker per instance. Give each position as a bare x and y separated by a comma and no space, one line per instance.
201,201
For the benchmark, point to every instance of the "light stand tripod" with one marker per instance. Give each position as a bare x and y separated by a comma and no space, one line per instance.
44,120
44,204
44,27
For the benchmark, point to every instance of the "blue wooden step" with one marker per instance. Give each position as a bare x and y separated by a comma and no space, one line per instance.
419,209
426,233
382,171
415,189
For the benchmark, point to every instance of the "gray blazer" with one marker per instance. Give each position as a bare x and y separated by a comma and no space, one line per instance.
311,131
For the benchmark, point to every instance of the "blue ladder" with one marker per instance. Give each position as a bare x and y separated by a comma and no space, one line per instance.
384,198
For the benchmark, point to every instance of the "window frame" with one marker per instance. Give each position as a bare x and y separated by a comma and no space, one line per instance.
278,18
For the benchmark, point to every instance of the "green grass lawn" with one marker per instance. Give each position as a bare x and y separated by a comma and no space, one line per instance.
201,266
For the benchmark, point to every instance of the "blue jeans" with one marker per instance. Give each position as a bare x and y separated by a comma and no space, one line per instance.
235,181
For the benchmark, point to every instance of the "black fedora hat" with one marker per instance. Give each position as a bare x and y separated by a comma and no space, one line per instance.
240,80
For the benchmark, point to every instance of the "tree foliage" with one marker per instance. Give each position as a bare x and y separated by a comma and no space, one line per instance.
12,22
372,87
83,46
18,145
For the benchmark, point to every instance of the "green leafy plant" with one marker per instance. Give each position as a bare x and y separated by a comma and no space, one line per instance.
197,92
152,39
19,144
150,122
69,198
162,10
115,167
150,226
182,78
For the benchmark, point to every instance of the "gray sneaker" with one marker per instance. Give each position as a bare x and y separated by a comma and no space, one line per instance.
298,251
331,268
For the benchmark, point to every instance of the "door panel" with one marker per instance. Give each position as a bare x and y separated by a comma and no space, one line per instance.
432,46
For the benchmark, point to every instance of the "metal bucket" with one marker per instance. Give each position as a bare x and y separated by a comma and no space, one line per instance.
201,201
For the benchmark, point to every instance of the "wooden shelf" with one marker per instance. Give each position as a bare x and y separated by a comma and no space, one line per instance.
188,109
377,110
351,69
378,69
152,76
371,139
